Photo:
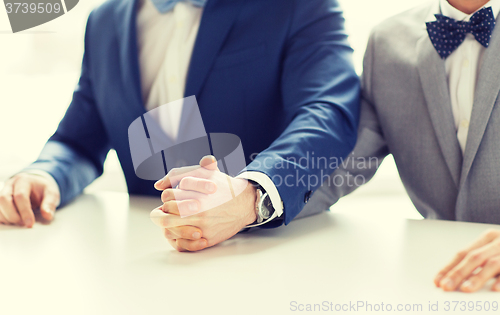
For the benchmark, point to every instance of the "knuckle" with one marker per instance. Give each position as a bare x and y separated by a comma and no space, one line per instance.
458,274
475,256
53,191
170,206
165,221
173,172
168,234
18,196
201,184
454,275
495,261
165,195
21,176
170,195
5,198
167,206
185,182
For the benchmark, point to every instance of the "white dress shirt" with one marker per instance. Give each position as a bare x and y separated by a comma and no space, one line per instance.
462,67
165,43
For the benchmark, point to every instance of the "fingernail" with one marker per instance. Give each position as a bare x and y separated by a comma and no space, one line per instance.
196,235
210,187
438,278
49,212
159,182
203,243
447,283
193,207
28,222
466,285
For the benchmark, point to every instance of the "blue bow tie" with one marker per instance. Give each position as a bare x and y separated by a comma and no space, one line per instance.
166,5
447,34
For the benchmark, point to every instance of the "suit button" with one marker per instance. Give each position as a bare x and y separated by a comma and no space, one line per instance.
307,196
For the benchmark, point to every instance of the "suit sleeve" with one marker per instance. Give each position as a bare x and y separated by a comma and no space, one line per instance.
75,154
370,150
320,92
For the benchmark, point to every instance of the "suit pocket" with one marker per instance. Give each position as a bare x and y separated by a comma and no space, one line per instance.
241,56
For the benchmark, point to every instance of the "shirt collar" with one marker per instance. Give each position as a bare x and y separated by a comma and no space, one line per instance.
452,12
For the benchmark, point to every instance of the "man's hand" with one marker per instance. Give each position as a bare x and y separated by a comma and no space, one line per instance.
474,266
23,193
200,188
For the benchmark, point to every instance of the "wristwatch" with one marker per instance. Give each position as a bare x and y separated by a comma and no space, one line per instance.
263,207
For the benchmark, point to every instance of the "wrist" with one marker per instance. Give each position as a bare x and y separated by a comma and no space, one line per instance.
251,202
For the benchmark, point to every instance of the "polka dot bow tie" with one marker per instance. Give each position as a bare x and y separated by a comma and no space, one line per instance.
447,34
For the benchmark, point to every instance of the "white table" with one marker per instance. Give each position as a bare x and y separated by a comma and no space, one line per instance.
103,255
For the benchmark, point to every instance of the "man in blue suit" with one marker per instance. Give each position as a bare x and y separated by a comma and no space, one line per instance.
276,73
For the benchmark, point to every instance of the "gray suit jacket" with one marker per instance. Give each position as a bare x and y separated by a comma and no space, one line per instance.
406,112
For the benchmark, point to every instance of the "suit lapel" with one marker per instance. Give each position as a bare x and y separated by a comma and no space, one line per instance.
128,52
435,86
217,19
487,89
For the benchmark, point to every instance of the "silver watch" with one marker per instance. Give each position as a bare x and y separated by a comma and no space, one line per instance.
263,206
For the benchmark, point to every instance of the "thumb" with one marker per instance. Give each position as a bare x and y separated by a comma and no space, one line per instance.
49,204
209,162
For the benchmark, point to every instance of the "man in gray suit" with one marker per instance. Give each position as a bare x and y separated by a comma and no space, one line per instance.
431,85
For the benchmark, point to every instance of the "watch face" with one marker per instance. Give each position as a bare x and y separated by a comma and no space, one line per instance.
267,207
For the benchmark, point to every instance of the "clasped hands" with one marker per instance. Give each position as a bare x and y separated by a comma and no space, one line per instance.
192,189
187,194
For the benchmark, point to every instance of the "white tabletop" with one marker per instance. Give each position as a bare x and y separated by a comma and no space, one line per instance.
103,255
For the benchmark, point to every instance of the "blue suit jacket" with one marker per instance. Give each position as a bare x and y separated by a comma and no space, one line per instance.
277,73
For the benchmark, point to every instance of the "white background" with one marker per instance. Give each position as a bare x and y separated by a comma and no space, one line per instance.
39,69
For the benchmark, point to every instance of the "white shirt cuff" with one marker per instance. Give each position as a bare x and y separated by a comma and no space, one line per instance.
267,184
